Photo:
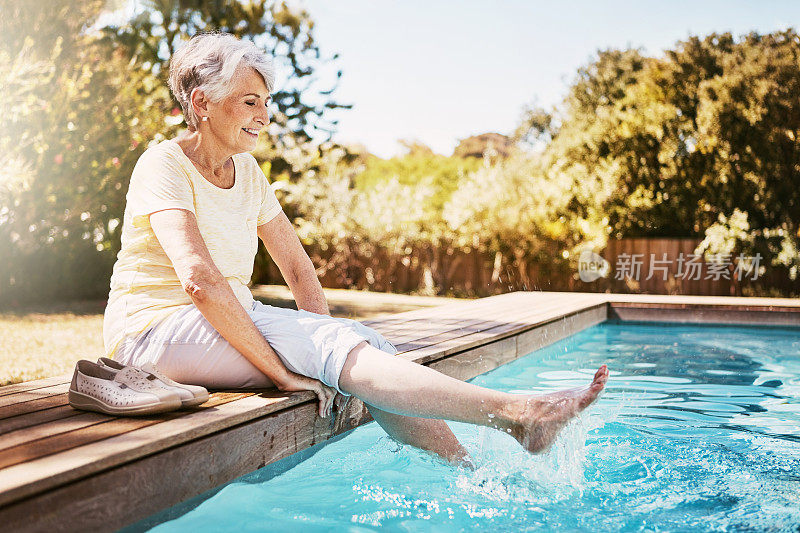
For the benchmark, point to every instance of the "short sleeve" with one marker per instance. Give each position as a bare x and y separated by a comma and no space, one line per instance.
270,207
159,182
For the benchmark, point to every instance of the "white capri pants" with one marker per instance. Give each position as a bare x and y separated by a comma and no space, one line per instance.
187,348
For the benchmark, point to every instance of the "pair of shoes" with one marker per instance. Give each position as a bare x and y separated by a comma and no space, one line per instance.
190,395
117,389
124,392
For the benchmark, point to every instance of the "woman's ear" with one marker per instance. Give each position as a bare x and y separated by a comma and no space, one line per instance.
199,102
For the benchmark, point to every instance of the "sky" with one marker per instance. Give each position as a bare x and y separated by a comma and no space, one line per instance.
438,71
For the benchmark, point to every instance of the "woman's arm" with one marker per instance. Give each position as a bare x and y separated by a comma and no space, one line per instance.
284,247
177,231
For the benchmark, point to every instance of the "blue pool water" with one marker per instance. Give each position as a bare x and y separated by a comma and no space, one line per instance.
698,430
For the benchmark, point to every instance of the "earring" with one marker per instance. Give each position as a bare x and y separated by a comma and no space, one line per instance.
205,119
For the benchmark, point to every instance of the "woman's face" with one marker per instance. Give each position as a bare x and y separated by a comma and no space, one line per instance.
236,121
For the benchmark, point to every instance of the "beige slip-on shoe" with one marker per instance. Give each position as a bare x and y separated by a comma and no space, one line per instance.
190,395
127,392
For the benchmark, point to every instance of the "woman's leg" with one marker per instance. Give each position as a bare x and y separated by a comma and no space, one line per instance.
429,434
398,386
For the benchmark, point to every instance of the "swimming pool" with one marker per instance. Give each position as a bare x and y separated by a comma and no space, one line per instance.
699,429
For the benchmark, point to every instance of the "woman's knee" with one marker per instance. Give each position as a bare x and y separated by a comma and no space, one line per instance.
376,339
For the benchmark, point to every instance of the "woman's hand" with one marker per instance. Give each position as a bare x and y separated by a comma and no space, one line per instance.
295,382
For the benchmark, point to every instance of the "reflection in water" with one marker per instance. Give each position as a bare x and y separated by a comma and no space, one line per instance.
698,430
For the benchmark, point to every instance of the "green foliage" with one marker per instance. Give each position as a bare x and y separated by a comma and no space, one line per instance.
386,220
519,206
708,129
332,213
421,167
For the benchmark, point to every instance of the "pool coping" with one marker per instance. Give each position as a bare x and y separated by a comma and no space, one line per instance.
238,437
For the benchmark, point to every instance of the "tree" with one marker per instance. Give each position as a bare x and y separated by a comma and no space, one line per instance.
420,166
522,212
709,128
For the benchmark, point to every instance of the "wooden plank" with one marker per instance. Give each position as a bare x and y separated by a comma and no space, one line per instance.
469,328
388,328
657,254
24,479
419,328
435,327
629,249
30,434
509,316
37,417
559,328
399,318
27,386
32,406
696,286
640,247
34,394
481,273
101,428
456,309
453,321
432,353
429,338
673,249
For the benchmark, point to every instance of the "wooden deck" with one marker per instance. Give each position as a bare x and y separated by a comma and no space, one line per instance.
64,469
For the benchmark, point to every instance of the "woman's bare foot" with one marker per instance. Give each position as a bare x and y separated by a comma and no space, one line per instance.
538,419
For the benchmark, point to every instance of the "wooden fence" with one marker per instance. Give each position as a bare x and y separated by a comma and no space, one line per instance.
670,266
637,265
663,266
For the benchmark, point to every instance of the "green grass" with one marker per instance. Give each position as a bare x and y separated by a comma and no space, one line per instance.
39,342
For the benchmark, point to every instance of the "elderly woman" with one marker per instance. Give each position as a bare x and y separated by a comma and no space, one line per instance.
179,296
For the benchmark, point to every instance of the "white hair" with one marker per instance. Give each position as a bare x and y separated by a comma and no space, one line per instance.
208,62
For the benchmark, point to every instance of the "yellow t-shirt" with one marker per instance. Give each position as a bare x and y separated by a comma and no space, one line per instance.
144,285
